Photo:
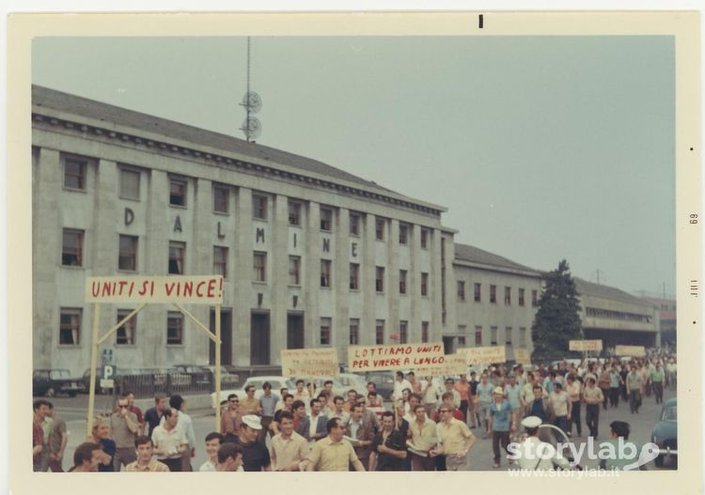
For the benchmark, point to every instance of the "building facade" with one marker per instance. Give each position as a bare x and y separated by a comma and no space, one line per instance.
496,300
616,317
312,256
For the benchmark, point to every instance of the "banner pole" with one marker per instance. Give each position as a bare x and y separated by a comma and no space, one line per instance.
94,362
218,308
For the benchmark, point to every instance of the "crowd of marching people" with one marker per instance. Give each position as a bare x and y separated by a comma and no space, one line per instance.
429,425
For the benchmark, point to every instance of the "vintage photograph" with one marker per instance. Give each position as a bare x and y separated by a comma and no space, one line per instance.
355,253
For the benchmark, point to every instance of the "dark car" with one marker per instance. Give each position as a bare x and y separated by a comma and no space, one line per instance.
665,433
384,381
54,381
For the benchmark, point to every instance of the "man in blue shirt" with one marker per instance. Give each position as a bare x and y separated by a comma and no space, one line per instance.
500,424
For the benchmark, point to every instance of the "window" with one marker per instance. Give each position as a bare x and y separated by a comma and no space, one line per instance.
493,293
70,326
72,248
403,332
478,292
461,291
379,279
326,274
424,238
260,267
220,261
402,281
403,233
127,253
354,276
177,251
493,335
129,184
522,336
294,270
325,331
125,334
221,198
424,284
177,192
424,331
379,229
379,332
508,335
521,297
174,328
326,219
478,336
294,213
259,207
507,296
354,331
354,224
75,173
534,298
461,340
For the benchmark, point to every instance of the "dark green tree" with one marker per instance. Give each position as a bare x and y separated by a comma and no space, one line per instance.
557,320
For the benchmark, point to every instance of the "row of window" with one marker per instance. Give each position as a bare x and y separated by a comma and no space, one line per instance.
508,336
71,320
616,315
129,188
72,255
521,294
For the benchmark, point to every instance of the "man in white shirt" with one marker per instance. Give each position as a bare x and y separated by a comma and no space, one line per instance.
400,383
535,455
185,424
169,441
213,442
560,403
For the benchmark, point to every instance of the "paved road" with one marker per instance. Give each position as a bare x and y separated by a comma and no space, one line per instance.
74,412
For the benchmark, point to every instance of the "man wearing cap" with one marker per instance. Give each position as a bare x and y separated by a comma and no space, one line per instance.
332,453
535,455
255,455
501,423
560,404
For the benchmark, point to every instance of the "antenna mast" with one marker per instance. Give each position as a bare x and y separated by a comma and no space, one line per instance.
252,102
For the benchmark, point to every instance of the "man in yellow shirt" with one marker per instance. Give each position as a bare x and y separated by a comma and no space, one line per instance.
454,440
332,453
145,462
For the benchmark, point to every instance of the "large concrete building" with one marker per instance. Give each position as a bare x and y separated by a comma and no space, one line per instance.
312,256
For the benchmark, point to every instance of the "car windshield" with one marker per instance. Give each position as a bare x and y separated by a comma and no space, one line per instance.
56,374
669,414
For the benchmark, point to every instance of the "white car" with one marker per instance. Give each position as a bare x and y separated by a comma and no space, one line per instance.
277,383
352,381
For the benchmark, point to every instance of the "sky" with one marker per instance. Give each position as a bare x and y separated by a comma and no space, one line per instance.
542,148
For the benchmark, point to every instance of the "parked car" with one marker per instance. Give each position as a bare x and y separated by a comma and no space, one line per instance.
54,381
384,381
227,378
353,381
665,432
201,377
277,383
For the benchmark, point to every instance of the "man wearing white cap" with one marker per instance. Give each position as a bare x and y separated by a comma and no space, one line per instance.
501,423
255,456
535,455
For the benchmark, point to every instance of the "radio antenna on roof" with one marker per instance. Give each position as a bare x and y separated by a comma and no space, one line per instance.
251,127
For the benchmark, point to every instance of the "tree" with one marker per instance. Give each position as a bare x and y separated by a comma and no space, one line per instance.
557,320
